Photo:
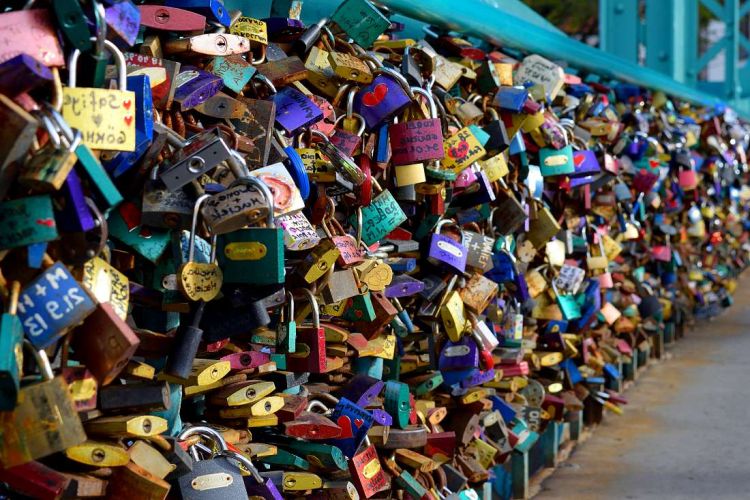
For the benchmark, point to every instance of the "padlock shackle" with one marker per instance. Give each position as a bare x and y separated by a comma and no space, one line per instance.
261,186
15,291
357,116
46,122
290,304
244,460
317,404
264,80
194,228
350,104
42,361
396,76
448,222
313,302
238,164
430,100
100,16
119,63
206,432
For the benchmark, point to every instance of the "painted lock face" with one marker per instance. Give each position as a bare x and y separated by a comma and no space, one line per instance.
354,421
417,141
461,355
380,100
447,252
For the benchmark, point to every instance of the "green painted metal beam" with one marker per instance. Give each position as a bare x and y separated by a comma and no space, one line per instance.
479,19
619,27
665,36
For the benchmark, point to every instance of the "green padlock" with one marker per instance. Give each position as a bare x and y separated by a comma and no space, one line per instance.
568,305
25,221
557,161
254,256
125,226
397,403
11,352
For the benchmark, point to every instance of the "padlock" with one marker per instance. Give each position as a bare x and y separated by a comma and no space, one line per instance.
294,110
48,168
388,94
48,400
453,316
346,140
417,141
348,66
309,354
255,123
558,161
254,255
198,155
216,477
103,116
361,20
199,281
379,218
163,208
479,250
52,304
447,252
11,345
461,150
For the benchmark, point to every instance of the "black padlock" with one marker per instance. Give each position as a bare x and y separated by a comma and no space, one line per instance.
185,347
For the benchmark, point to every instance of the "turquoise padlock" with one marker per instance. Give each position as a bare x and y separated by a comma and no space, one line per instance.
254,256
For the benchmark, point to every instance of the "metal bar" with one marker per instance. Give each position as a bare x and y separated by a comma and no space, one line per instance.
618,28
745,9
714,7
690,41
732,52
709,54
745,43
498,27
665,35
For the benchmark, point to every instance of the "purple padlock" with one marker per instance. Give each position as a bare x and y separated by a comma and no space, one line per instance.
382,417
194,86
446,252
380,100
294,110
362,389
75,216
522,288
478,377
124,19
21,74
585,163
403,285
461,355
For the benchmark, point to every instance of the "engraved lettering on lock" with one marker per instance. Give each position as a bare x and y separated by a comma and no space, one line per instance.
451,249
253,250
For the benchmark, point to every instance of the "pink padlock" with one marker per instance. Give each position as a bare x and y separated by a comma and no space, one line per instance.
605,280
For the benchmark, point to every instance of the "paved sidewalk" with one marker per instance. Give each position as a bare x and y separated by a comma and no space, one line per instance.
686,431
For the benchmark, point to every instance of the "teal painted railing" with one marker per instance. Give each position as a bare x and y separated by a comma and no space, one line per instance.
486,19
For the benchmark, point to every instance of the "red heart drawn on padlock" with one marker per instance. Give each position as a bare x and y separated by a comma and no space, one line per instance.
376,96
346,427
46,222
128,120
358,422
459,150
126,103
578,160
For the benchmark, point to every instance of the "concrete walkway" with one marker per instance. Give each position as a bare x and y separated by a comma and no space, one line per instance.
686,430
